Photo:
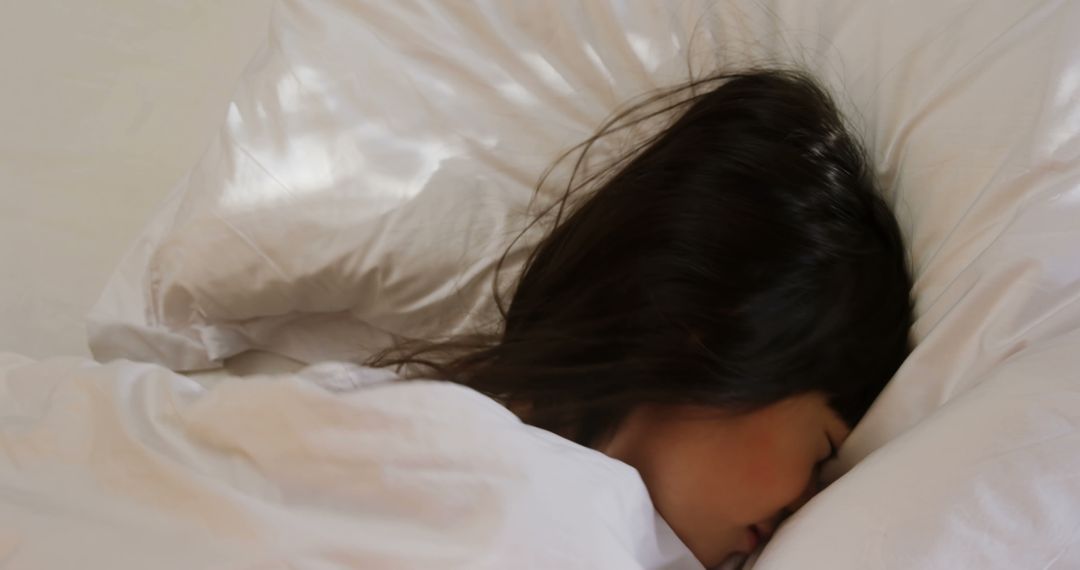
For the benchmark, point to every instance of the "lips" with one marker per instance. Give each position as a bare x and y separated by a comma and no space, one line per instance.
755,537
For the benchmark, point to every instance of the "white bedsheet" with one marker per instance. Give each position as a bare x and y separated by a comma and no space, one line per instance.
130,466
104,107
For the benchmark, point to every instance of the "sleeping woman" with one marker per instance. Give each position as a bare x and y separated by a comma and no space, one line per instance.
717,309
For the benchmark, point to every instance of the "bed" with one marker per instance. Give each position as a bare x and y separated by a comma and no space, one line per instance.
313,179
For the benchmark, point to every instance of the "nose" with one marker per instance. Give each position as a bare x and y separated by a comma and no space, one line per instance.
768,527
812,489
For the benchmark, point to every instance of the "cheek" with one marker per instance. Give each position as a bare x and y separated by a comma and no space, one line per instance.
759,454
772,476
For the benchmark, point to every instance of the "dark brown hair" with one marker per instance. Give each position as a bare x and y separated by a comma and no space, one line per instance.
738,256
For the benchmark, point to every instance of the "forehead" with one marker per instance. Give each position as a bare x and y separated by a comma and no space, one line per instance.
806,414
803,411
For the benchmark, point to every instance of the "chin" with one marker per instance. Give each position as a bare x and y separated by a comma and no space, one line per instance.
727,559
733,561
714,553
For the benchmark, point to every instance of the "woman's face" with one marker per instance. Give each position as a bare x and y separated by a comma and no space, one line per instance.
721,481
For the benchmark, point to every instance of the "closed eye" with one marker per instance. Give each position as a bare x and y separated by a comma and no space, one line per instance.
828,458
832,452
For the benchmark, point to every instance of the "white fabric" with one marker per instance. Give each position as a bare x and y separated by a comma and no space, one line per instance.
376,153
991,480
349,197
104,107
352,196
130,466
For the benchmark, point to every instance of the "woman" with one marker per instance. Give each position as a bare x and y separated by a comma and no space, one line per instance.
718,311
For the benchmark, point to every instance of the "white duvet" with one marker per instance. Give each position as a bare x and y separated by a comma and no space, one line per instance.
130,466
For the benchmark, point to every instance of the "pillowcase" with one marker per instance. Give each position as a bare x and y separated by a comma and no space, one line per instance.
990,480
376,160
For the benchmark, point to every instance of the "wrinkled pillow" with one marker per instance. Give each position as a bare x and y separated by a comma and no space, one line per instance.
991,480
377,158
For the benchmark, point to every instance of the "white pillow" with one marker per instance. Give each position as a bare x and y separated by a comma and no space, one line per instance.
376,160
991,481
